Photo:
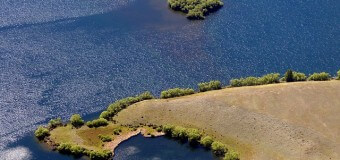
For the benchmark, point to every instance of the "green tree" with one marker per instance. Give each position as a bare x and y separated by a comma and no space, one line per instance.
41,133
53,123
207,141
289,76
76,120
193,135
218,148
338,77
231,155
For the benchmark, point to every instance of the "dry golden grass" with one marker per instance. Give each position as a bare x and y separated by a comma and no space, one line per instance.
280,121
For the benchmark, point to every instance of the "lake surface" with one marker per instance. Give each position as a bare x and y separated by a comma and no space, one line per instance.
159,148
77,56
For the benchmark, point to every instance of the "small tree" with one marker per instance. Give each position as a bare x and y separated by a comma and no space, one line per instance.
231,155
218,148
76,120
289,76
41,133
53,123
338,77
206,141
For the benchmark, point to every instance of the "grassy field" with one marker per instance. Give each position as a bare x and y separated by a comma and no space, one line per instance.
279,121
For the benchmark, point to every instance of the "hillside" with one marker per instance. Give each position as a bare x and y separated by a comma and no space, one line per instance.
279,121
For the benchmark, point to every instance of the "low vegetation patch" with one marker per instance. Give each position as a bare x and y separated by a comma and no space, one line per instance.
76,120
208,86
97,123
323,76
253,81
104,138
53,123
195,9
68,148
338,76
176,92
292,76
41,132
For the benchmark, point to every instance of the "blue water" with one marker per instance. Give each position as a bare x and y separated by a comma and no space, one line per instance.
160,148
60,57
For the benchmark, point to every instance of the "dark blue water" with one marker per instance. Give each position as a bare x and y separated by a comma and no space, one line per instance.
77,56
160,148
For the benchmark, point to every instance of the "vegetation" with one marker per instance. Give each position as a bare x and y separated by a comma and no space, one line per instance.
291,76
252,81
119,105
67,148
206,141
323,76
193,135
338,76
218,148
231,155
195,9
176,92
41,133
97,123
117,131
207,86
99,155
104,138
76,120
53,123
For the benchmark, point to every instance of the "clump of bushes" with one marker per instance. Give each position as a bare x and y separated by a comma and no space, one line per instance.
117,131
207,86
104,138
67,148
76,120
323,76
41,132
231,155
206,141
97,123
176,92
193,135
195,9
53,123
99,155
121,104
292,76
218,148
252,81
338,77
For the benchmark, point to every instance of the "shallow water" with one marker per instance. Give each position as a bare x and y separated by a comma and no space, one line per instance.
159,148
77,56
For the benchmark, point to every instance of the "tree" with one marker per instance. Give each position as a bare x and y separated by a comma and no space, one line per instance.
207,141
231,155
53,123
289,76
76,120
338,77
218,148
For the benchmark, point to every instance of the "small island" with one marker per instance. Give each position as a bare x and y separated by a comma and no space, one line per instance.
195,9
209,117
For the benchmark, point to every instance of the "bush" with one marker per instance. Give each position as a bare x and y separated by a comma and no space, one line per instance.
338,77
323,76
104,138
167,129
252,81
231,155
117,131
207,86
119,105
176,92
53,123
206,141
65,148
41,133
179,133
76,120
99,155
77,150
296,76
97,123
195,9
218,148
193,135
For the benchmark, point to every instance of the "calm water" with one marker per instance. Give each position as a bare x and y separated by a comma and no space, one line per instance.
60,57
160,148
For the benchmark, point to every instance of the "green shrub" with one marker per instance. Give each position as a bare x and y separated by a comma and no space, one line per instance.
117,131
179,133
41,133
323,76
193,135
207,86
76,120
206,141
97,123
218,148
253,81
294,77
167,129
338,77
105,114
77,150
145,96
176,92
195,9
104,138
231,155
53,123
99,155
65,148
289,76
